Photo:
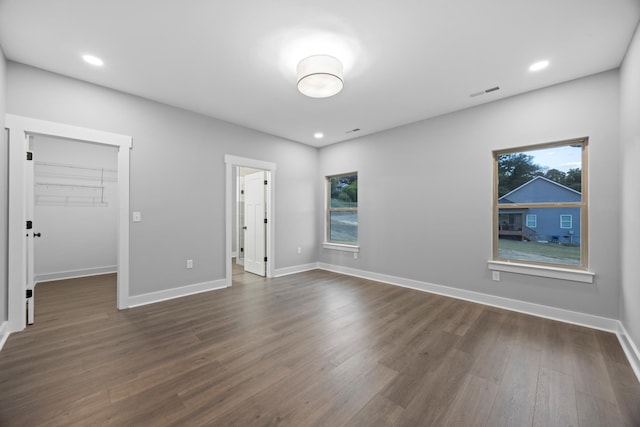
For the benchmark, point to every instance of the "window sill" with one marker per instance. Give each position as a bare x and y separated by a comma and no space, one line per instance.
543,271
341,247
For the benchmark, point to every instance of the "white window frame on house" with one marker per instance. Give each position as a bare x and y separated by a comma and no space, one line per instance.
577,273
328,243
532,221
564,224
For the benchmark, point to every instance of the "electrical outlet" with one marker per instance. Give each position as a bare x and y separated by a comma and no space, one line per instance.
137,217
355,255
299,250
189,263
496,276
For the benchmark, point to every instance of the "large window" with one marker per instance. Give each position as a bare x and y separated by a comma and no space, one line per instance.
534,187
342,209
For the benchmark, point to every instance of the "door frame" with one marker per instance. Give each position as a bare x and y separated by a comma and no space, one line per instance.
19,127
270,168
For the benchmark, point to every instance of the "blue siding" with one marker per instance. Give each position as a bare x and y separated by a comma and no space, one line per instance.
549,224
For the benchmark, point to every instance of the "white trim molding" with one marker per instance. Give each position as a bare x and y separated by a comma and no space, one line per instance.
630,349
4,333
543,271
74,274
341,247
279,272
562,315
19,129
183,291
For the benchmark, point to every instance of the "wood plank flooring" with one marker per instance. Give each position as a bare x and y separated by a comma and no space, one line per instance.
311,349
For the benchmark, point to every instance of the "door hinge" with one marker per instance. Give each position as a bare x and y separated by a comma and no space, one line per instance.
265,220
265,259
29,155
241,249
241,191
29,293
29,225
265,182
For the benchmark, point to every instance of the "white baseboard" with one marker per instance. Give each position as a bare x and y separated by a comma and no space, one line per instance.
234,254
4,333
74,274
630,349
279,272
168,294
567,316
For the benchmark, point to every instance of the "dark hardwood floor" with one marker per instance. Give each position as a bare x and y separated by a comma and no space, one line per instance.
309,349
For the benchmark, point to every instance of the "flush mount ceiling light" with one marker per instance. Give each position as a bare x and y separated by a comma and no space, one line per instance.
541,65
93,60
320,76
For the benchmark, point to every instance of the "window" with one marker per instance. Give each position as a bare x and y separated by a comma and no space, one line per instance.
534,186
342,209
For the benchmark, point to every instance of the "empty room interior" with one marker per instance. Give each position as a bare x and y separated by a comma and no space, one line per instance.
338,213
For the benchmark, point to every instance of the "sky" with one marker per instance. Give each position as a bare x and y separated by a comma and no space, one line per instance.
561,158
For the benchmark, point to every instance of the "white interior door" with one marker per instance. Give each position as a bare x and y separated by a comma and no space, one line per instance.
31,233
255,227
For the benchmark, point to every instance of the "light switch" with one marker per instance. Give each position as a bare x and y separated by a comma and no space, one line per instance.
137,217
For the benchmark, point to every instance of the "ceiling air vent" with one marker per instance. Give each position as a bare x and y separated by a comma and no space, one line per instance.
353,130
482,92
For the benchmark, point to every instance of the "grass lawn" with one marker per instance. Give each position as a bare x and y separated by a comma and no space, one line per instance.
552,250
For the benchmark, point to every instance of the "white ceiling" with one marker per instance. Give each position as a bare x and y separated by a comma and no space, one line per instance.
235,60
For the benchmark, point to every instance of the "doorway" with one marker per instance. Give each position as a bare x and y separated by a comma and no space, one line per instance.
74,212
233,163
20,130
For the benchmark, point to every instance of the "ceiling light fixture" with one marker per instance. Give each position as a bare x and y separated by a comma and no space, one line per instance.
93,60
541,65
320,76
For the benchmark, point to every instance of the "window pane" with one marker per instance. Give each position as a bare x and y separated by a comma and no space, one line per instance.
344,191
343,227
551,242
548,175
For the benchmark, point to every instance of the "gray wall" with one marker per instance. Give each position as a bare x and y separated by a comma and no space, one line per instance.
630,197
425,193
177,176
4,178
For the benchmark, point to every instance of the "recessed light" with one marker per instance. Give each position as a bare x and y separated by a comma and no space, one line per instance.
318,135
540,65
93,60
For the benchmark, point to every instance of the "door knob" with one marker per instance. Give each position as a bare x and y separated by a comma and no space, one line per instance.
37,234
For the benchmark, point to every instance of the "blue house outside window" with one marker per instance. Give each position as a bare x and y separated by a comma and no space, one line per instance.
532,221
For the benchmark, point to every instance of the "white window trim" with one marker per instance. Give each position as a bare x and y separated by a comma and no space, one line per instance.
535,220
341,247
543,271
570,222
